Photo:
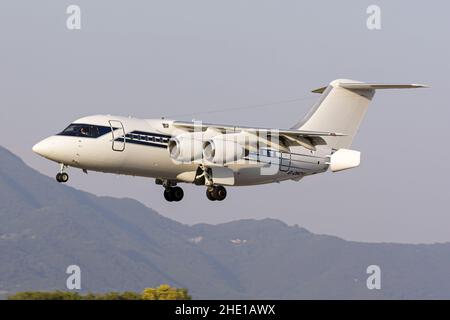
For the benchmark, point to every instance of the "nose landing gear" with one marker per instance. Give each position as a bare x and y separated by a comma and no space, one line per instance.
214,193
62,176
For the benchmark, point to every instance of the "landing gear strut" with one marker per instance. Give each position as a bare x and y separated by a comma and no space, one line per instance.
214,193
62,176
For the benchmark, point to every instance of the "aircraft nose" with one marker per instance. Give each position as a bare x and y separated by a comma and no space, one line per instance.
56,148
42,148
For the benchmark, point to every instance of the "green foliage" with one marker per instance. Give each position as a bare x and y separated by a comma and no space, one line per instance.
163,292
53,295
127,295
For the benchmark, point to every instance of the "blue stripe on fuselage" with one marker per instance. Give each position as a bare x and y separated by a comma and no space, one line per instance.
149,139
143,143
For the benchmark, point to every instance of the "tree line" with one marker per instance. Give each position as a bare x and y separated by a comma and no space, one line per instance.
163,292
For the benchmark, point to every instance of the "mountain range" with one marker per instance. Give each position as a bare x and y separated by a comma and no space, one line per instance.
120,244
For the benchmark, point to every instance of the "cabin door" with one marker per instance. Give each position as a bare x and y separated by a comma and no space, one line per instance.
118,135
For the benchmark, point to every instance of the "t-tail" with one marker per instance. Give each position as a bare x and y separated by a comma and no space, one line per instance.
341,108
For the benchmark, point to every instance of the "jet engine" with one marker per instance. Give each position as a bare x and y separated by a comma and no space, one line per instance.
223,149
186,147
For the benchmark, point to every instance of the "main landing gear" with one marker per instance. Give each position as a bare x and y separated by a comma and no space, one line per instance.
214,193
62,176
173,194
171,191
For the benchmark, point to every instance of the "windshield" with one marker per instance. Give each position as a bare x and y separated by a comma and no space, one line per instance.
85,130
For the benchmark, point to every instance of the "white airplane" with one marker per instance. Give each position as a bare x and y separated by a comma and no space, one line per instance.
215,155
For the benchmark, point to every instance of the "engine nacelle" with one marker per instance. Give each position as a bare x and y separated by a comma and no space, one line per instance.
223,149
344,159
186,147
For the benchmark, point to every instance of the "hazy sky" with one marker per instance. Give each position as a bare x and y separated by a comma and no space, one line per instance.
155,58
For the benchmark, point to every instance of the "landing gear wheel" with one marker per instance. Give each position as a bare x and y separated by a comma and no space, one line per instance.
177,194
209,193
173,194
168,195
62,177
219,193
216,193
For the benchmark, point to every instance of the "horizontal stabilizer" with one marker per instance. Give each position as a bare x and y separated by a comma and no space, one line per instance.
319,90
366,86
371,86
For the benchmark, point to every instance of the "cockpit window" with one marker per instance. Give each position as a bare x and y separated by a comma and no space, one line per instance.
85,130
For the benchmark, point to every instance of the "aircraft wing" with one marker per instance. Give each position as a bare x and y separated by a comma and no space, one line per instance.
288,137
